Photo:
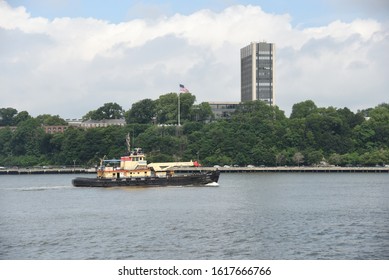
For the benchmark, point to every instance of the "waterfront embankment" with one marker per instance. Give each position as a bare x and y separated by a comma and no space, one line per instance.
291,169
280,169
26,171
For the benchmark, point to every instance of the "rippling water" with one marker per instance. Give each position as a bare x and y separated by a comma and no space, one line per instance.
249,216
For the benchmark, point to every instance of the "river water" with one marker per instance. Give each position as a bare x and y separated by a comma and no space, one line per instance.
249,216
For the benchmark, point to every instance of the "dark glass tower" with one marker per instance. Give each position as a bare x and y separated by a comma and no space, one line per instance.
257,72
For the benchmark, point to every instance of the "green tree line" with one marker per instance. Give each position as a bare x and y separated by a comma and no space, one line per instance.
256,134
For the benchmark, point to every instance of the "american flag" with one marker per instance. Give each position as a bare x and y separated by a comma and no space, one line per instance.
183,88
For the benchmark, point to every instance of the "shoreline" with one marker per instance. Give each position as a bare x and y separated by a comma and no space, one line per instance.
279,169
38,171
291,169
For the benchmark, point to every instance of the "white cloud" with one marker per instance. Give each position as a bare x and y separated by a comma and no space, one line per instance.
377,8
69,66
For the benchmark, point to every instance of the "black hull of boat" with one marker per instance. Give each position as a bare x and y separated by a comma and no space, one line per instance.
197,179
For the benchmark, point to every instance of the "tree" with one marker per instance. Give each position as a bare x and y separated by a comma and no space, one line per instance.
6,116
363,136
141,112
335,159
20,117
313,157
72,146
167,107
5,141
107,111
303,109
26,140
47,119
373,133
352,159
160,142
263,155
349,118
376,157
296,134
186,106
379,122
258,110
255,134
280,159
201,112
331,133
298,158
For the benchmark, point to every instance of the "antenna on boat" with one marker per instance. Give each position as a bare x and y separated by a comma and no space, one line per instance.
128,141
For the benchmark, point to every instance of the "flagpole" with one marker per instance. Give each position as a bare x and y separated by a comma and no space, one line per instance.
184,90
179,111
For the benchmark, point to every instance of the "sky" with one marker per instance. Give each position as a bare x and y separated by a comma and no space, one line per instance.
68,57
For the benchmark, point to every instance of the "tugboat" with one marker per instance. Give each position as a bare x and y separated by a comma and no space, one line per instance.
133,170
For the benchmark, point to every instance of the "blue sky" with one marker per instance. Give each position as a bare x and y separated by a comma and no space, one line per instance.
303,12
119,10
68,57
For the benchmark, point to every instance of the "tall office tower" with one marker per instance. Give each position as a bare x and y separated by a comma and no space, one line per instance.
257,72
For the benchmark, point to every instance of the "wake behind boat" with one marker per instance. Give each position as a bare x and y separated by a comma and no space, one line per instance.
133,170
